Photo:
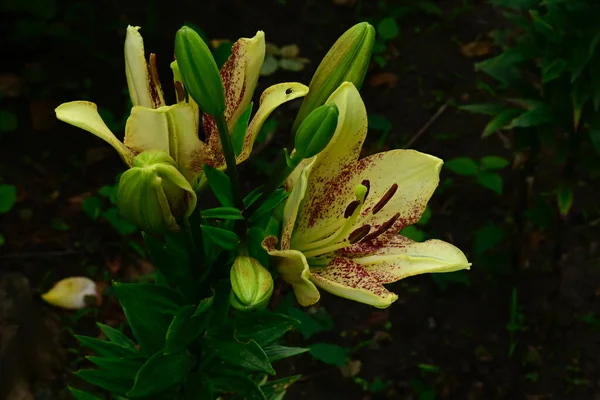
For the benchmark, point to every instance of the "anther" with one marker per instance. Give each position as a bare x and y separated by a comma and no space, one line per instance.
359,233
385,198
351,208
382,229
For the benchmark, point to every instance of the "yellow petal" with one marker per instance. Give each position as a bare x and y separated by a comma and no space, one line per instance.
293,202
348,279
270,99
172,129
293,269
402,257
144,86
84,115
71,293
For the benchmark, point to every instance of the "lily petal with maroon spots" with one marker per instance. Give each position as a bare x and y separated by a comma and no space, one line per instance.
345,278
240,76
401,183
402,257
294,269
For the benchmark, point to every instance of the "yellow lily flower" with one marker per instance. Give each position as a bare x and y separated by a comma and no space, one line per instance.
343,215
152,125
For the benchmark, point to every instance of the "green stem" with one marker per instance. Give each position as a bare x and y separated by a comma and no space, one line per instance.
230,160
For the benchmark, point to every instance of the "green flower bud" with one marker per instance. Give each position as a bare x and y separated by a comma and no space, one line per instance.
316,131
252,284
347,60
153,193
199,71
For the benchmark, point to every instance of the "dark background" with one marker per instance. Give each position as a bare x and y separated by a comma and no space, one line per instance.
520,325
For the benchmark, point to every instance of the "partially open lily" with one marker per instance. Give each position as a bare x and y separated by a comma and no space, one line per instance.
174,129
342,218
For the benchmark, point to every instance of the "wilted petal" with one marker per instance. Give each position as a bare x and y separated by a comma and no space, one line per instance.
172,129
403,257
270,99
84,115
293,269
71,293
142,78
348,279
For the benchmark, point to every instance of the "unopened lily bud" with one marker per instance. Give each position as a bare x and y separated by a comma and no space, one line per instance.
199,71
316,131
72,293
347,60
252,284
153,193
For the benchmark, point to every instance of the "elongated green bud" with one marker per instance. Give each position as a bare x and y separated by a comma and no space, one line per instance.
316,131
153,193
252,284
199,71
347,60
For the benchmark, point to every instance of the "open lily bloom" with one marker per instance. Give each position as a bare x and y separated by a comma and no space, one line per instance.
174,129
342,218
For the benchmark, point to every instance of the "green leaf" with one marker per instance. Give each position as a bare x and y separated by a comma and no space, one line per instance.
106,380
184,329
219,184
276,352
122,226
579,96
494,162
536,116
197,387
594,133
234,382
103,348
239,132
273,388
456,277
123,366
92,206
388,28
222,213
81,395
222,53
8,197
500,121
149,309
8,121
462,166
581,57
116,336
264,327
541,26
490,180
429,7
272,201
553,70
413,233
170,258
488,237
221,237
564,199
380,123
487,109
313,323
161,372
330,353
249,356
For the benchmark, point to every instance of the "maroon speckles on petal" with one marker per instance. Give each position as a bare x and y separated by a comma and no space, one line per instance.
350,274
351,208
289,91
382,229
385,198
359,233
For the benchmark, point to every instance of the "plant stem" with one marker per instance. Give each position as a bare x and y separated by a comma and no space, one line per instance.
230,160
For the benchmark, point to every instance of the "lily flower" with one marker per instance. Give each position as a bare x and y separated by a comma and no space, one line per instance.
342,218
152,125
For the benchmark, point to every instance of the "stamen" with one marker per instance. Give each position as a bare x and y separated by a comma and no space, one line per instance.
154,83
384,227
366,184
385,198
351,208
179,91
359,233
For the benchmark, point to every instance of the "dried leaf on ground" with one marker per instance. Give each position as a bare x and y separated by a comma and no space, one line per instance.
388,79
